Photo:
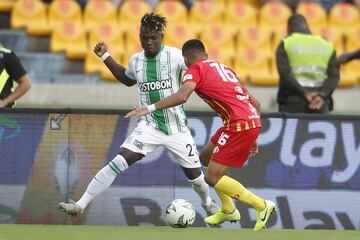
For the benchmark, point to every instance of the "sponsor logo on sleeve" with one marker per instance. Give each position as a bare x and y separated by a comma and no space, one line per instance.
188,77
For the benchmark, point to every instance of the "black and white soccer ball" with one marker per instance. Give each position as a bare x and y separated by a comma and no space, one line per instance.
180,213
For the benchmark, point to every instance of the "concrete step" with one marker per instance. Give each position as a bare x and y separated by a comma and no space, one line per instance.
16,41
42,64
66,79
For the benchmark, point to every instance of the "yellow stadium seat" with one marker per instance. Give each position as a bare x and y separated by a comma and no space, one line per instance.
333,35
173,11
32,15
254,65
71,38
132,37
221,55
274,15
254,3
314,13
94,64
177,33
131,49
273,68
278,37
7,5
345,17
353,40
350,75
64,10
255,37
109,34
132,43
99,11
220,36
239,14
206,12
131,11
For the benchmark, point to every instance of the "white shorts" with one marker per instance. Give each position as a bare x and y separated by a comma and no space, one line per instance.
145,139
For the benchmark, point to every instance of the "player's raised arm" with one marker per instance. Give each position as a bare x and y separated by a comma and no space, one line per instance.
116,69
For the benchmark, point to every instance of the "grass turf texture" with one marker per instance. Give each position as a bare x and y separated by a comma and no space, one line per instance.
64,232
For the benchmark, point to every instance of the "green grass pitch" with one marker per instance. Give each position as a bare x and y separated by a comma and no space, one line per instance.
66,232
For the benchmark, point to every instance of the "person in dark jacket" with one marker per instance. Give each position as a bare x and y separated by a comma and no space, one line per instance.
11,71
308,70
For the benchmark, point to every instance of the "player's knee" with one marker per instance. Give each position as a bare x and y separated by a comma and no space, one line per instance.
198,181
192,173
130,156
204,158
210,180
118,164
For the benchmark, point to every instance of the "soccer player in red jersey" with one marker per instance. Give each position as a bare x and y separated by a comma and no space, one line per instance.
233,143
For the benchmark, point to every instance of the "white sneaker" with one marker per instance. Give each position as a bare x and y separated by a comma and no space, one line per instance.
210,209
262,216
70,208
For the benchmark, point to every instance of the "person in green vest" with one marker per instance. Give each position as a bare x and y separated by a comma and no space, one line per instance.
308,70
11,70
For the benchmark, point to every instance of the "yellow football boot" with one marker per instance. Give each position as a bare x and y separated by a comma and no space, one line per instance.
221,217
262,216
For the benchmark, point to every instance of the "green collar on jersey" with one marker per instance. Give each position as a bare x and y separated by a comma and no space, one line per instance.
161,48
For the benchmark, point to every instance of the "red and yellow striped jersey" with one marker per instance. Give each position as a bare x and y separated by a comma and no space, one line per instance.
220,88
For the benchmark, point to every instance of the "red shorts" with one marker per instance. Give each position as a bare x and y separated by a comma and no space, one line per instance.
233,148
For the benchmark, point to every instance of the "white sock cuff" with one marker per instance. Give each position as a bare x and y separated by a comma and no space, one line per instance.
198,181
118,164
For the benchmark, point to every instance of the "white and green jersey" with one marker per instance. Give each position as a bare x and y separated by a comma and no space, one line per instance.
157,79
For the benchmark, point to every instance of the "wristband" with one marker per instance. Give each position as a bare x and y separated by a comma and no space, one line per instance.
151,108
105,56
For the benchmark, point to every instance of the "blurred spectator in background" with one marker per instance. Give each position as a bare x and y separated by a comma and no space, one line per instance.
327,4
346,57
291,3
11,70
188,3
153,3
82,3
355,2
307,68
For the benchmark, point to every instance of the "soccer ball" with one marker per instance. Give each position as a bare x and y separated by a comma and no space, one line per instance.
180,214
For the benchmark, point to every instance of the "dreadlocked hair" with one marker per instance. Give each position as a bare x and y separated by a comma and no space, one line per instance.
153,21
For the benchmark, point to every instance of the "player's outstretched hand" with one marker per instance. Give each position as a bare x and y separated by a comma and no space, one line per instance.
254,149
137,112
100,49
2,103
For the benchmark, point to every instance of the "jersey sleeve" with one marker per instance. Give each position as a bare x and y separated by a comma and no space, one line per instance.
130,70
179,58
183,65
192,75
13,66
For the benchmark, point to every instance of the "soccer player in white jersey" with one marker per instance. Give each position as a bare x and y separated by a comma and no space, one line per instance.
157,70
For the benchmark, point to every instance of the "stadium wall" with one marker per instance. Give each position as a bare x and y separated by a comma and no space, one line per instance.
307,164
